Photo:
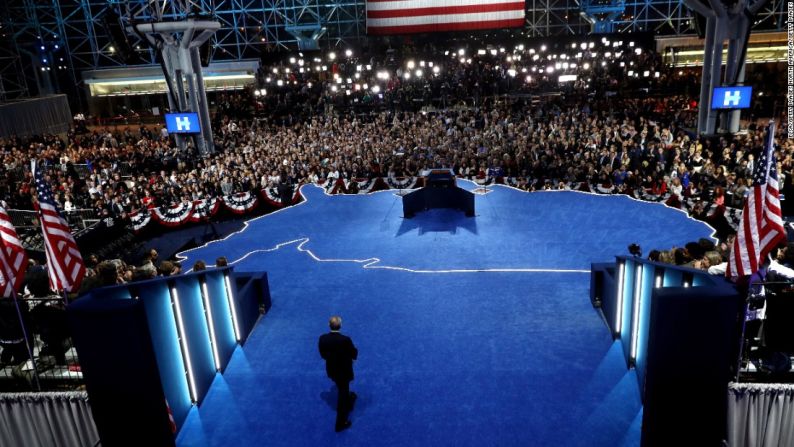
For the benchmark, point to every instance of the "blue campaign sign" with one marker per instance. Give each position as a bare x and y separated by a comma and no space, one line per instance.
731,97
187,122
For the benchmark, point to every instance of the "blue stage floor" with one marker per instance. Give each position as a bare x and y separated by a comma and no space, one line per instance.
471,331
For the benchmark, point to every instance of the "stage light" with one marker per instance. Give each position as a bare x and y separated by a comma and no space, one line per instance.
211,325
658,281
635,313
56,46
686,284
232,306
183,341
42,47
619,313
111,49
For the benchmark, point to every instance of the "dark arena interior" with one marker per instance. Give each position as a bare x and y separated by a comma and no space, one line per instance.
396,223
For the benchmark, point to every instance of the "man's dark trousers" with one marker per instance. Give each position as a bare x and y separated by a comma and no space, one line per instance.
343,402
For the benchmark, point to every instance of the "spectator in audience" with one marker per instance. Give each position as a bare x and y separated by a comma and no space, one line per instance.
199,266
221,262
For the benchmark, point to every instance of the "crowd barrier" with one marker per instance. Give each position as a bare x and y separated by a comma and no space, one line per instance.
37,350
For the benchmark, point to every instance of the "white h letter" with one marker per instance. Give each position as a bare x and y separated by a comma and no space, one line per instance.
732,98
183,122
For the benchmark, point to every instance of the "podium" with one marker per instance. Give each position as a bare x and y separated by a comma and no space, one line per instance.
440,191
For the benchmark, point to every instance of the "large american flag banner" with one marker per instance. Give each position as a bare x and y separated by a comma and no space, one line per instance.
761,226
13,258
424,16
64,263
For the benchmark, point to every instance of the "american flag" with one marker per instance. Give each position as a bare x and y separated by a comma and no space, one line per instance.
761,226
64,263
13,258
424,16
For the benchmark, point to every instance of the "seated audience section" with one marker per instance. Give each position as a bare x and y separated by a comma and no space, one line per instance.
183,330
678,330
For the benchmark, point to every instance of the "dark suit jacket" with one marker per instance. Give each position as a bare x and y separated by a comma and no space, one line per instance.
339,352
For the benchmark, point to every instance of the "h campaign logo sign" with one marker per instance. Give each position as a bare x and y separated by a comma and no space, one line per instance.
731,97
187,122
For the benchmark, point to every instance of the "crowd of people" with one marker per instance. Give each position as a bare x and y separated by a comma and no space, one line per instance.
621,143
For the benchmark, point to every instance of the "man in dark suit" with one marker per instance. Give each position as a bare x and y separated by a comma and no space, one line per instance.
339,352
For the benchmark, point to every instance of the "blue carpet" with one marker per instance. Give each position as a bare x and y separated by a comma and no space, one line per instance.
471,331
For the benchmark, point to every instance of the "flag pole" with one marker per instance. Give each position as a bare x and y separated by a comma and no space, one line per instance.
25,335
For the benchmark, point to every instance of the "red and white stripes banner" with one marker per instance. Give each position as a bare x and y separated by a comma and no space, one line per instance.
425,16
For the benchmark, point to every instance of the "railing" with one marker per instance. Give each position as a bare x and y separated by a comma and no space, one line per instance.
78,219
36,350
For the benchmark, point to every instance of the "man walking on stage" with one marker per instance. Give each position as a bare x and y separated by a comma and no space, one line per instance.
339,352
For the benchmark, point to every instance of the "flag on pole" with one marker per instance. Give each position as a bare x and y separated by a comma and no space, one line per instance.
13,258
65,265
761,225
424,16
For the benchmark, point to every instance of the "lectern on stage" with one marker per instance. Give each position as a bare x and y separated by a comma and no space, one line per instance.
440,191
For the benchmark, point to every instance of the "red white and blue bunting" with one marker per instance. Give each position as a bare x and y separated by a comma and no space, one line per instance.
174,216
240,203
140,219
204,209
243,203
271,196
